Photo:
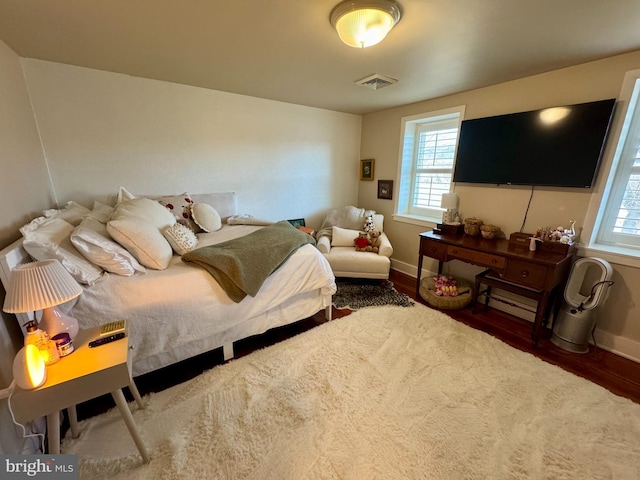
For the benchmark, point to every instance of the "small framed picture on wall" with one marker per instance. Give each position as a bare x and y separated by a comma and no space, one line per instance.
385,189
366,169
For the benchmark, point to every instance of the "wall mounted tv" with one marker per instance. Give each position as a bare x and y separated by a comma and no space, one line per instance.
558,146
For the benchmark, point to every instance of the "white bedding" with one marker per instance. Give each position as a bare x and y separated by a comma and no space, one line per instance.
182,311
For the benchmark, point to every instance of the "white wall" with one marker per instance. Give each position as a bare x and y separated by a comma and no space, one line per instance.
618,327
101,130
24,189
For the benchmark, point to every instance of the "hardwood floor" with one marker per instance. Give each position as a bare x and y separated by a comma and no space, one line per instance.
619,375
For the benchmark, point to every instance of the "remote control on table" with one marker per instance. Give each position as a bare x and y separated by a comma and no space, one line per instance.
102,340
111,328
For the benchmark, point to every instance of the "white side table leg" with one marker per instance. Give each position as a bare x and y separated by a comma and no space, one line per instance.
136,394
131,425
73,421
53,432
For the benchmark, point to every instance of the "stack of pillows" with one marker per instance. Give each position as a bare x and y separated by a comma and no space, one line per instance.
138,232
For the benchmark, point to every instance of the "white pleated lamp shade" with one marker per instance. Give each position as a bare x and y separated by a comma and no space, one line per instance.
39,285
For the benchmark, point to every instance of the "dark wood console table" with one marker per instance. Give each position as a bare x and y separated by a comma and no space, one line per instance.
543,271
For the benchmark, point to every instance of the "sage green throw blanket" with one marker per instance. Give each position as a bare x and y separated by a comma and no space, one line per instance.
242,265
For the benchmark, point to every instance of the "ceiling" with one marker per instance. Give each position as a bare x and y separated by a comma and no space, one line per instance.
286,50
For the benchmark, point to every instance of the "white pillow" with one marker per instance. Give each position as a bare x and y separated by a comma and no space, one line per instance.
101,212
72,213
92,240
180,207
343,237
142,240
48,238
146,210
124,195
207,217
181,238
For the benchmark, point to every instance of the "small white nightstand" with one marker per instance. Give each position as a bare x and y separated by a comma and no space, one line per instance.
84,374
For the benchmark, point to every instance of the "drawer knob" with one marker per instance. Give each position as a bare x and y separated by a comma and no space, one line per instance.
494,261
455,250
524,273
434,249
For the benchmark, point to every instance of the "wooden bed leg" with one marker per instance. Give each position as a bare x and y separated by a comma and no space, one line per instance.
227,351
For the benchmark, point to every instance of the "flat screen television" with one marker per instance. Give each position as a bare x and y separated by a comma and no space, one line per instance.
556,147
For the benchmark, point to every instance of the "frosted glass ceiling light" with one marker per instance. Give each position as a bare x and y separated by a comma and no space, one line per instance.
363,23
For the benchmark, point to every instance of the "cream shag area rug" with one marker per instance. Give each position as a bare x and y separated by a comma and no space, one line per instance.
384,393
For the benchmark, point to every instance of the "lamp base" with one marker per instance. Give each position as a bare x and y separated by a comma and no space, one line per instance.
53,322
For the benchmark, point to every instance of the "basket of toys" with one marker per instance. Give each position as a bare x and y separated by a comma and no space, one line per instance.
445,292
489,231
472,226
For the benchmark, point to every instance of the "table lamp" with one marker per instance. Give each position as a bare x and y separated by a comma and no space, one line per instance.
42,286
450,203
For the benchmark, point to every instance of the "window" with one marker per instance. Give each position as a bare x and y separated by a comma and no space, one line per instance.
617,227
426,163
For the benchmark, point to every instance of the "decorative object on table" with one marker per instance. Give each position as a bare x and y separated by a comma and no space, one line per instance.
385,189
533,243
449,202
558,234
41,340
366,169
445,292
449,229
489,231
63,344
472,226
43,286
537,242
29,370
361,24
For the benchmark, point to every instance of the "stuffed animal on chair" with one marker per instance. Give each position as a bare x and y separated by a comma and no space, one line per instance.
368,224
374,240
361,242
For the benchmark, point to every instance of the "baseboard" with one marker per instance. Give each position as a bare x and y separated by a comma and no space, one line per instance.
622,346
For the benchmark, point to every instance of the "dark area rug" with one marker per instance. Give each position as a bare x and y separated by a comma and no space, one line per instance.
360,293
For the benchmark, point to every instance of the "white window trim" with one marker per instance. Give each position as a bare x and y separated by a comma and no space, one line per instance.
612,253
435,215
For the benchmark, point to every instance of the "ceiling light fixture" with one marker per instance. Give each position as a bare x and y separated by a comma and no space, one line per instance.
363,23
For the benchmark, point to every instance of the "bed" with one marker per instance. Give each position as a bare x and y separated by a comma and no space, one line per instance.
182,311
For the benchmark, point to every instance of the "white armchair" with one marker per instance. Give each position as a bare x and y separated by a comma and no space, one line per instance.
339,250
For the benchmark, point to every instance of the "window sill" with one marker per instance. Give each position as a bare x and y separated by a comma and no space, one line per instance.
416,220
612,254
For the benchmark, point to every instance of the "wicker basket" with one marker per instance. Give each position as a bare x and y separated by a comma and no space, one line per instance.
472,226
427,292
489,231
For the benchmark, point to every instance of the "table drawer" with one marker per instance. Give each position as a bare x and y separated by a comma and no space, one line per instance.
433,249
475,257
525,273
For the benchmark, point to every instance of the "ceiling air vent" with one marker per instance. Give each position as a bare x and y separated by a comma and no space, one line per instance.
376,81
